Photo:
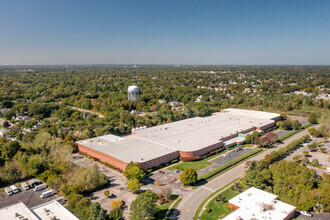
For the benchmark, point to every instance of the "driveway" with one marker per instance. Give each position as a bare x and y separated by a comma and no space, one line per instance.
190,203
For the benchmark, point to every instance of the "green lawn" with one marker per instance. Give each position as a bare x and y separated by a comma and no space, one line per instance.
221,209
162,209
196,165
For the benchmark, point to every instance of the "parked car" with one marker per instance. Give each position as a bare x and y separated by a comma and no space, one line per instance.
8,191
25,186
14,189
306,213
177,171
239,148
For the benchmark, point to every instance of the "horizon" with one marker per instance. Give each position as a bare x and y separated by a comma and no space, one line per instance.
164,33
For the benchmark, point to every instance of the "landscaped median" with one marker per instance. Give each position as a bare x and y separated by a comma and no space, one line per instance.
216,171
209,197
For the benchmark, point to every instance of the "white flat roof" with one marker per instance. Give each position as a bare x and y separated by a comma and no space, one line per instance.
15,211
185,135
252,113
260,205
53,209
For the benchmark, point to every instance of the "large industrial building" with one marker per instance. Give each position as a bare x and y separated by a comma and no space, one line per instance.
186,139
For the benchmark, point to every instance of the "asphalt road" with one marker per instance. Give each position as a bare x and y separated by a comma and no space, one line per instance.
190,203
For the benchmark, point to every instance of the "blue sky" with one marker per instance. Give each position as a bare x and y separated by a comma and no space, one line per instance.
164,32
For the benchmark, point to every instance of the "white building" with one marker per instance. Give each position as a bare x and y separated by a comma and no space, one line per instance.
257,204
46,211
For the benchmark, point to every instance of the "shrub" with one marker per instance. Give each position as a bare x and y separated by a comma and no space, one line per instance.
207,210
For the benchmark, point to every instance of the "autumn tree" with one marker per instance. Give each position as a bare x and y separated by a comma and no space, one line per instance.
188,176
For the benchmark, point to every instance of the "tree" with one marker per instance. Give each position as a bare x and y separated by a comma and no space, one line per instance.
287,125
106,193
94,211
134,171
144,207
312,118
315,162
188,176
157,182
116,214
248,138
102,215
166,192
296,125
305,160
311,131
6,124
134,185
306,153
116,204
221,198
297,157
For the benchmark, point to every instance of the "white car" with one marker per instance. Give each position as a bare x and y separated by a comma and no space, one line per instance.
306,213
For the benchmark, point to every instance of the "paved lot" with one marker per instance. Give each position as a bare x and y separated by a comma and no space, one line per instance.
322,158
221,160
117,187
281,133
315,217
30,198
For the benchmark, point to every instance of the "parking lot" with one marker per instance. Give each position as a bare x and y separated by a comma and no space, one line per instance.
321,157
29,197
221,160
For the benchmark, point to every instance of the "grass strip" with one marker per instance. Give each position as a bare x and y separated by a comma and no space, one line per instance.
209,197
217,170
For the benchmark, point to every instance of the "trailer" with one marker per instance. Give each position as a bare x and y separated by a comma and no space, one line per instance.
47,194
40,187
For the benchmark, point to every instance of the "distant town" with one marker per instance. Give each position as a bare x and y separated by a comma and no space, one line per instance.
164,142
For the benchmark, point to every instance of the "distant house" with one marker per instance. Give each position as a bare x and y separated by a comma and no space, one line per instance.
23,118
64,129
174,104
3,132
4,110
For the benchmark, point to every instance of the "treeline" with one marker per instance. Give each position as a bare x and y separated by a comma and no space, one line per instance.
293,183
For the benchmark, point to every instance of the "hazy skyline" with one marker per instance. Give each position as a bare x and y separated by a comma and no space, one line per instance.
164,32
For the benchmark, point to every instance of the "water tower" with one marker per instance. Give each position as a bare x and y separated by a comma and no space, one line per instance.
133,93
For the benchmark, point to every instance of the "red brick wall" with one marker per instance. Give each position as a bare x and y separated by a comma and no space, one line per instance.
193,154
234,207
291,215
105,158
160,160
